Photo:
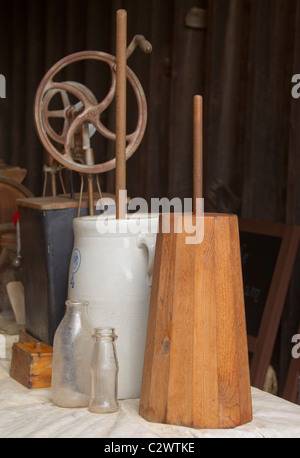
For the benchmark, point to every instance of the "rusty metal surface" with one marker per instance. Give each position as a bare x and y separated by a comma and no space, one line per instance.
139,40
87,114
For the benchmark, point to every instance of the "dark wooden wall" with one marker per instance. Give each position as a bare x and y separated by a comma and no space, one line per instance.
241,61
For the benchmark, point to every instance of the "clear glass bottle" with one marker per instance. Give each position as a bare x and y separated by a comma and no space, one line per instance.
72,351
104,372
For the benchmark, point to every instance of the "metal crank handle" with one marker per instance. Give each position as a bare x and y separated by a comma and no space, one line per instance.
139,40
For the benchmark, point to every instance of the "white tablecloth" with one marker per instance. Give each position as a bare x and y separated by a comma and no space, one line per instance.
28,413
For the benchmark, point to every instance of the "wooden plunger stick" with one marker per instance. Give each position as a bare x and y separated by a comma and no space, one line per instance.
198,150
121,48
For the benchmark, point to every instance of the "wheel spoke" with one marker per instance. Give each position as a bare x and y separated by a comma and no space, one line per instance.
65,99
103,130
66,88
55,113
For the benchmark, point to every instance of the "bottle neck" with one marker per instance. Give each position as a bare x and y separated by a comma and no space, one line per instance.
77,310
76,306
105,334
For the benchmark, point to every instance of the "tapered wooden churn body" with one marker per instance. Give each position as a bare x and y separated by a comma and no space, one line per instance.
196,370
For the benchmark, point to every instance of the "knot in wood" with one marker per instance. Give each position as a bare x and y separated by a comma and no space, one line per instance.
166,345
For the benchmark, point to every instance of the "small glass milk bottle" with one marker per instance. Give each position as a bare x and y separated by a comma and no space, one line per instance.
104,372
72,351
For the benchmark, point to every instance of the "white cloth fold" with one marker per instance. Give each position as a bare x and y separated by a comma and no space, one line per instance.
27,413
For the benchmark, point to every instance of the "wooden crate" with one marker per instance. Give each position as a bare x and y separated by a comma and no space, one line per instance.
31,364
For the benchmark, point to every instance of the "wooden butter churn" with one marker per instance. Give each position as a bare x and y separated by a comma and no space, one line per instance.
196,370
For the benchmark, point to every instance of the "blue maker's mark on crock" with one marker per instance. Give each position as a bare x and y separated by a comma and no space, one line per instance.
76,260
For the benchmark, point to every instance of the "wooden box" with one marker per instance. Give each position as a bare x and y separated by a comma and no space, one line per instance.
31,364
46,246
46,229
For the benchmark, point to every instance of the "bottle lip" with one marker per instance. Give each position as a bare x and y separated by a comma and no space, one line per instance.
104,331
76,302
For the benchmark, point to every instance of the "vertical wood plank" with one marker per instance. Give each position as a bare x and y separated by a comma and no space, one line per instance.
154,391
243,376
227,338
206,396
186,80
265,143
222,91
180,387
6,45
293,171
153,154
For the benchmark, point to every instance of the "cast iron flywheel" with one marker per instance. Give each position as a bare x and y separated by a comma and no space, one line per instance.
85,114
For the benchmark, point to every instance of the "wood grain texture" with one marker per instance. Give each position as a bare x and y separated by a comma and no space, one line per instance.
31,364
196,370
197,150
121,46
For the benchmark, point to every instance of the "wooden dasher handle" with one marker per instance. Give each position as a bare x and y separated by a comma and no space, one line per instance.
198,150
121,113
